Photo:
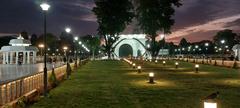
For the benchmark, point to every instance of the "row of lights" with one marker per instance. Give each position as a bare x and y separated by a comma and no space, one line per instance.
207,103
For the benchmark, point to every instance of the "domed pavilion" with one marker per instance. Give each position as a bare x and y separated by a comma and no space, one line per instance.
19,52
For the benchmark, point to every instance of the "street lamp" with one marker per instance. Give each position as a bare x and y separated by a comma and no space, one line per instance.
134,65
68,30
164,63
222,42
76,40
41,46
45,8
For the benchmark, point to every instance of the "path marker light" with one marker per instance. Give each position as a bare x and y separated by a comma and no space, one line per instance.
196,68
164,63
151,77
139,69
156,61
210,104
176,65
134,65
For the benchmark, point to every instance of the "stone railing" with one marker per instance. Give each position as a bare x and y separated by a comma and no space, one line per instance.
12,91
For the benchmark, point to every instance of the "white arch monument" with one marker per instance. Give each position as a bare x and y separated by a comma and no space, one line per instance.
137,43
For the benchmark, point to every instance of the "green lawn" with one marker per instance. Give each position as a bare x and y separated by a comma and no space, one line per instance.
113,84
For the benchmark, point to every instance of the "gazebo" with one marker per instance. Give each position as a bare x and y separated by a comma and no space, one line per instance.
20,52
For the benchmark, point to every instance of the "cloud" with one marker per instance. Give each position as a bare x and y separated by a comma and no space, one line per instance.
215,25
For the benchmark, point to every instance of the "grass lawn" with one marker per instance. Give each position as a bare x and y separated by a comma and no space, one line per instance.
113,84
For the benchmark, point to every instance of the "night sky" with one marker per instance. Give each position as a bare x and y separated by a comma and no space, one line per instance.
195,20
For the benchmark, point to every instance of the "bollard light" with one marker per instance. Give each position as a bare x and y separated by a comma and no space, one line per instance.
139,69
210,104
134,65
196,68
151,77
150,60
164,63
176,64
156,61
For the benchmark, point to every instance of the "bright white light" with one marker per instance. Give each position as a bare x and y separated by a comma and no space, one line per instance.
196,46
79,42
164,62
45,6
151,74
210,105
176,63
206,44
222,41
41,45
196,66
162,36
148,45
65,48
76,38
68,30
134,64
139,67
156,61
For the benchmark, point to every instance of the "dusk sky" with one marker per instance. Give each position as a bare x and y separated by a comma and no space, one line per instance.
196,20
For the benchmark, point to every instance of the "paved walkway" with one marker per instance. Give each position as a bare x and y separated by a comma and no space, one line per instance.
10,72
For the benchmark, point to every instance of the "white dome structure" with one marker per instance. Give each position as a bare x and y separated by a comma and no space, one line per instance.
20,51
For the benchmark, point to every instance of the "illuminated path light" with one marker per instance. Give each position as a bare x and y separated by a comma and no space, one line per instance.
151,77
164,63
139,69
196,68
176,65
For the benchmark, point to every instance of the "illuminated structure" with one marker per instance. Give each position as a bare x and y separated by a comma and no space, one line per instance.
20,51
131,45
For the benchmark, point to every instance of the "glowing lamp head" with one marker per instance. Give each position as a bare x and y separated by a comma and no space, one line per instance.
41,45
196,66
139,67
68,30
76,38
210,104
80,43
65,48
134,64
156,61
222,41
45,6
164,62
151,74
176,63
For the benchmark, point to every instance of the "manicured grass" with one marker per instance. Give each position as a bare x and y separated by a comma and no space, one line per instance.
114,84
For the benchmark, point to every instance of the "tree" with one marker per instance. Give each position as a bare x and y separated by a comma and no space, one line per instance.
34,39
4,41
226,35
112,16
154,16
24,34
183,43
92,42
51,43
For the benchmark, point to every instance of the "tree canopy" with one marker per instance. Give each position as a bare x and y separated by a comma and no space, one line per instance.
112,16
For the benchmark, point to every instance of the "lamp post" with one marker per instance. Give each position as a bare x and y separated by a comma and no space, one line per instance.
45,8
76,40
41,46
222,42
196,68
65,48
139,69
176,65
80,61
134,65
164,63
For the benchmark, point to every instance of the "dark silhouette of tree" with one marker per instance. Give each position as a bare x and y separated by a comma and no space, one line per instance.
226,35
34,39
52,41
66,40
24,34
183,43
154,16
112,18
4,41
92,42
